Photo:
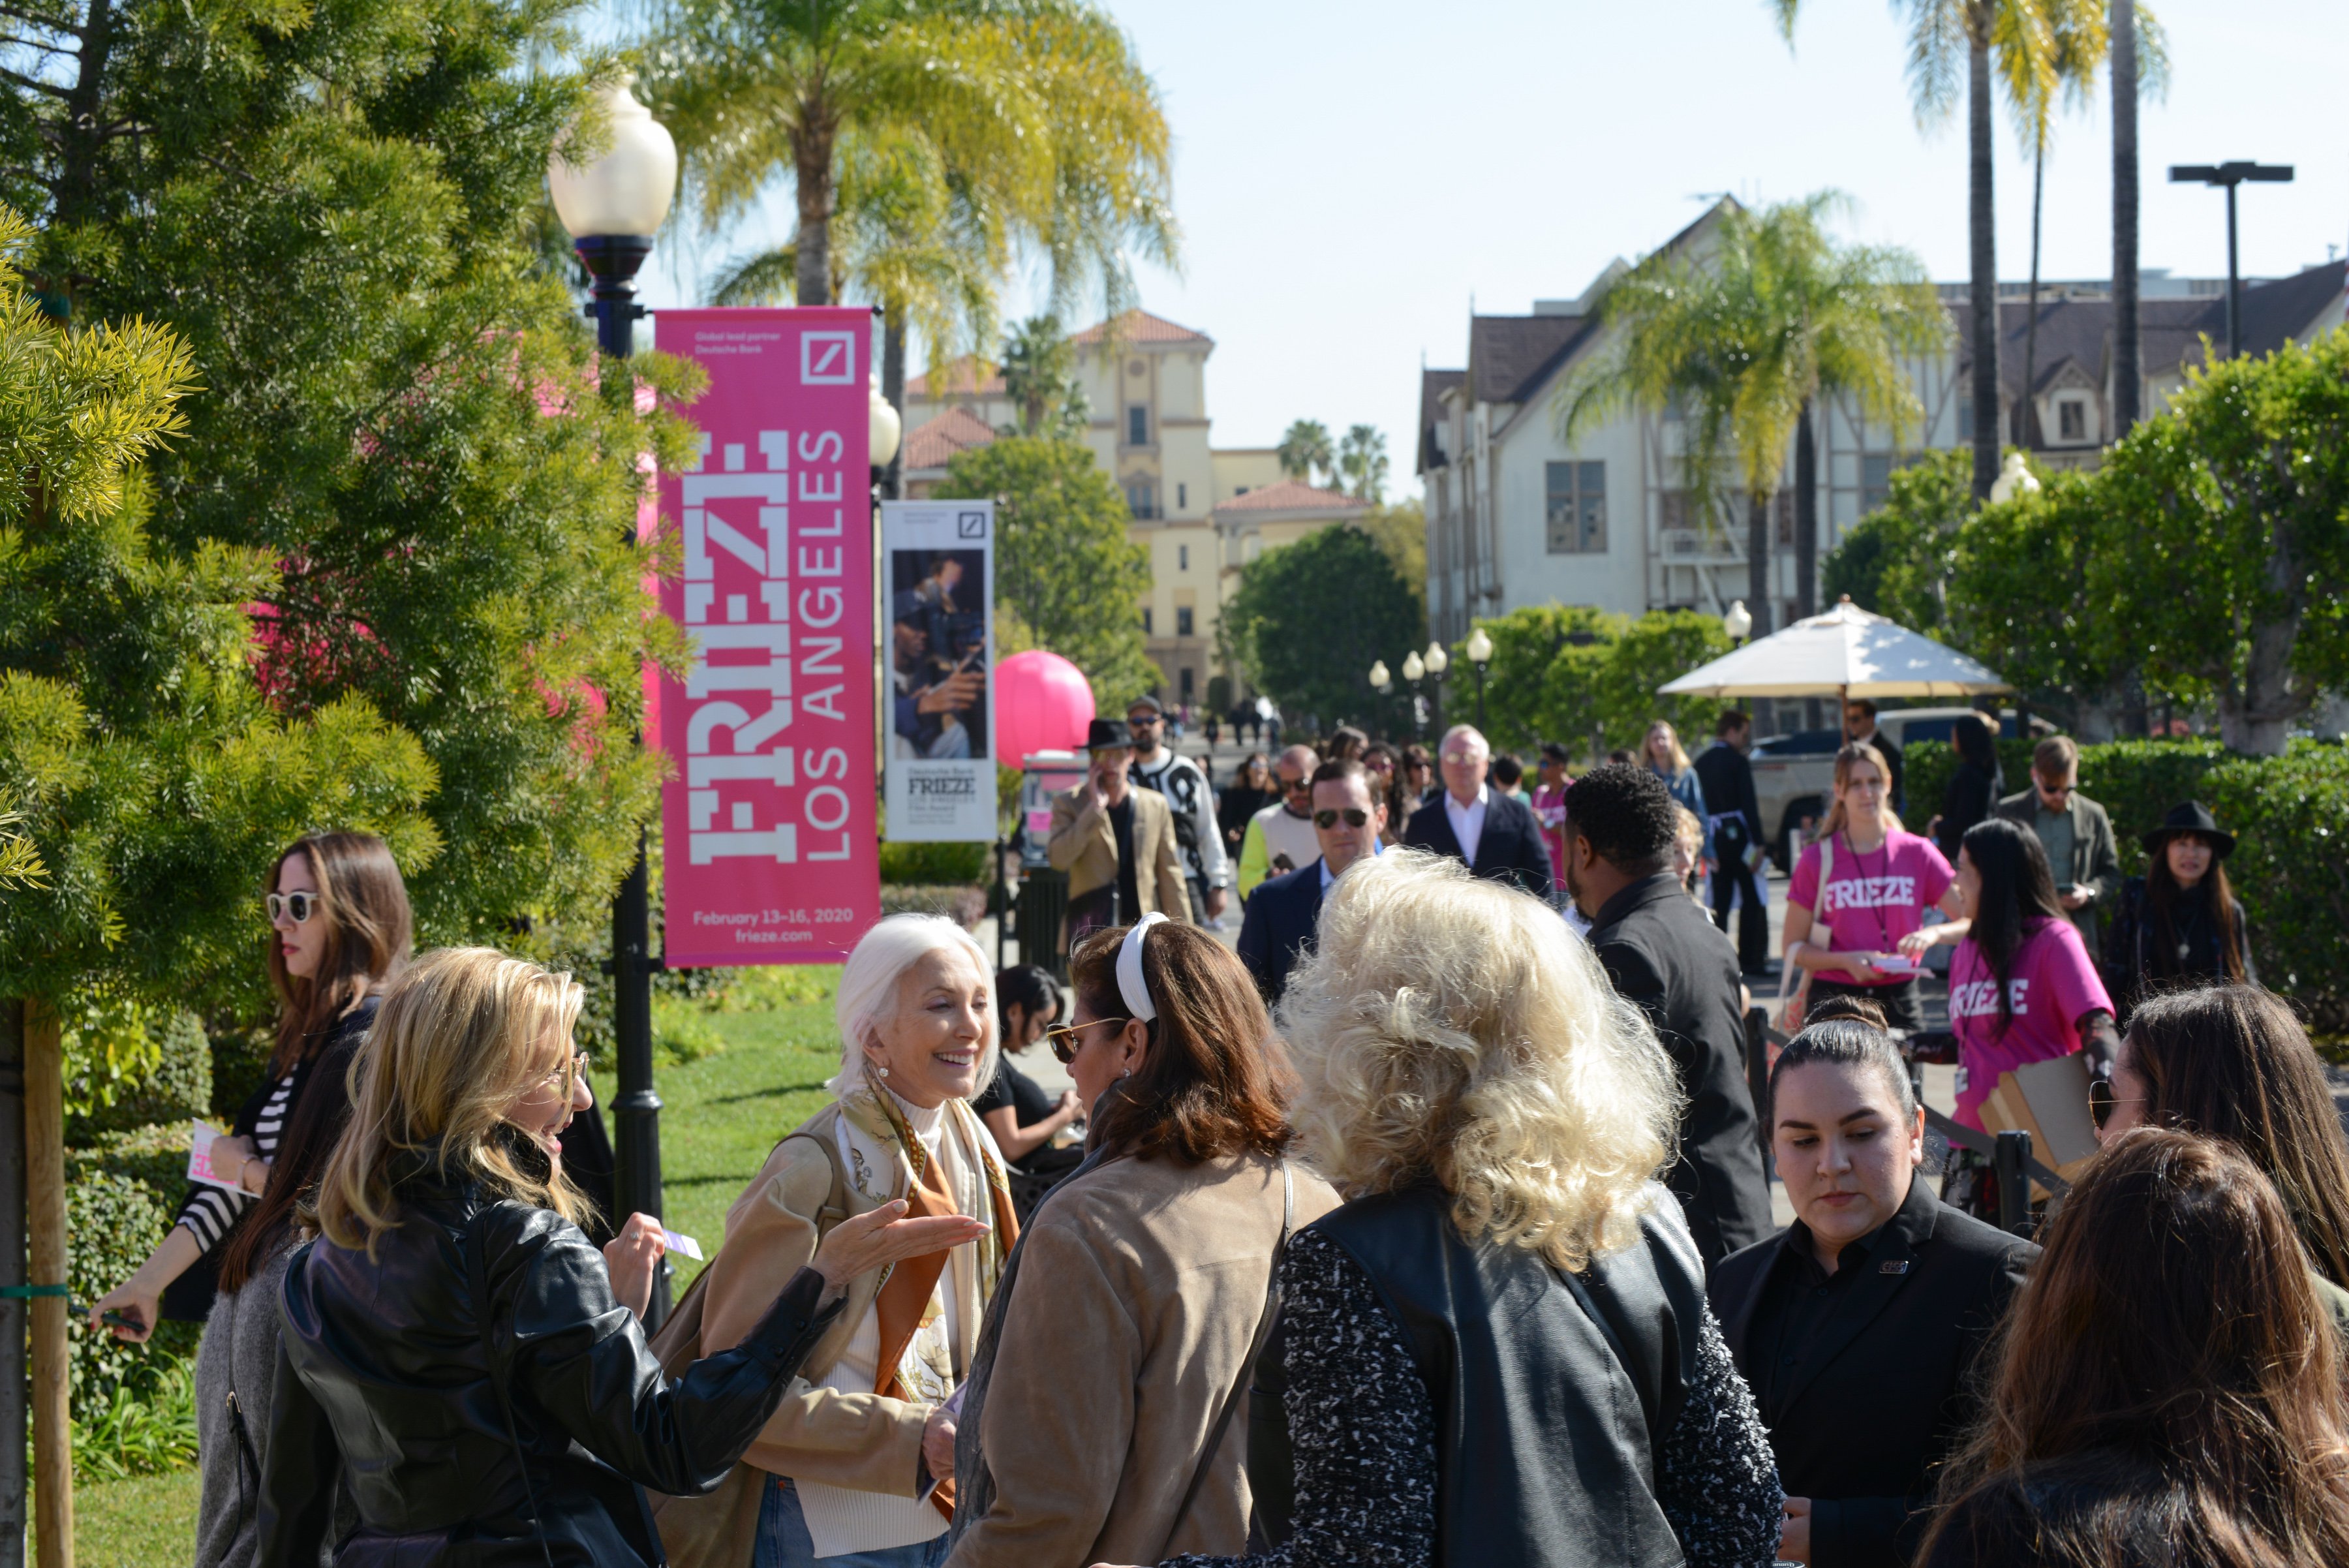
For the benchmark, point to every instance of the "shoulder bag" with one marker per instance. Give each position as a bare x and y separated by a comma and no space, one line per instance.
477,1282
1794,994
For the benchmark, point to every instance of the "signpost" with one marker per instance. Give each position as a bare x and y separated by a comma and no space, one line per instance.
938,580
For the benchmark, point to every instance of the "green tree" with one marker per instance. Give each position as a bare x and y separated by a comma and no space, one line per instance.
1305,451
403,416
1063,560
1546,680
1746,340
2020,597
2031,50
2223,551
1400,530
1040,373
1309,619
1362,463
1659,647
1896,562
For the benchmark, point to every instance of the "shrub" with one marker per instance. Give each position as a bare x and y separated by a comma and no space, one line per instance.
2290,868
120,1197
2136,782
178,1085
1927,767
933,864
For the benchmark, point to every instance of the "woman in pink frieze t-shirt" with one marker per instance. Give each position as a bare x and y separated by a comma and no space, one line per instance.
1859,934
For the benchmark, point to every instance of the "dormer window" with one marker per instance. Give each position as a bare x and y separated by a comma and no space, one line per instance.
2072,420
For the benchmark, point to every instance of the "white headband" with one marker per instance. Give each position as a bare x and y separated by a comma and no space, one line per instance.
1129,970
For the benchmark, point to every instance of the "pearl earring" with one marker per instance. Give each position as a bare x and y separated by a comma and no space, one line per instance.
883,1071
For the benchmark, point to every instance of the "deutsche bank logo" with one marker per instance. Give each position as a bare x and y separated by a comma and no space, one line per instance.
970,524
827,358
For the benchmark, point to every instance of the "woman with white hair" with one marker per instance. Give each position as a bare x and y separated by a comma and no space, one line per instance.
1498,1350
857,1463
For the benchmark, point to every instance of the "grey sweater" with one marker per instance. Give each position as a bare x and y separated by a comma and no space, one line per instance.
237,1360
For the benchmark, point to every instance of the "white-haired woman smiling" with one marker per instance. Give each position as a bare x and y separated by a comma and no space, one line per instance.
857,1461
1498,1349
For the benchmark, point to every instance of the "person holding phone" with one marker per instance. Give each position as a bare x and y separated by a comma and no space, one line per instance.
2075,830
932,694
1855,905
1115,842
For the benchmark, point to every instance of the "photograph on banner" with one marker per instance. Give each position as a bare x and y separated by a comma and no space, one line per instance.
938,563
773,855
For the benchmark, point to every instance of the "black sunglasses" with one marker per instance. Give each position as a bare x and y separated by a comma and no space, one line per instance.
1355,816
2101,1100
1064,1042
1293,786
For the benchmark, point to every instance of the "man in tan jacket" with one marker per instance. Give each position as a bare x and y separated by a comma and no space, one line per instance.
1115,842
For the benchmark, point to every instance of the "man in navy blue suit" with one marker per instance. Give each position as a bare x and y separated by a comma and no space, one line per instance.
1277,928
1470,820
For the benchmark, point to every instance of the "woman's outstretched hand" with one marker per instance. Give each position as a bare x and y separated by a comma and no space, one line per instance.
869,1241
631,1257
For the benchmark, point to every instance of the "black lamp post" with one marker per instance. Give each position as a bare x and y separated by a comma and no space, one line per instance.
613,205
1479,650
2231,175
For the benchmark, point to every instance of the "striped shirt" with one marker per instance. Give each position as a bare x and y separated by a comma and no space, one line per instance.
211,1211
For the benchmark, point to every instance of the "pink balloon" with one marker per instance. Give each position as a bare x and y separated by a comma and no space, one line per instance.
1043,703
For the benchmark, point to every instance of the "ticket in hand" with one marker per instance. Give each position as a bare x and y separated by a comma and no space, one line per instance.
682,1243
200,1158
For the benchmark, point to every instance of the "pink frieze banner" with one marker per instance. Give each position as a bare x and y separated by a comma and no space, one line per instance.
770,843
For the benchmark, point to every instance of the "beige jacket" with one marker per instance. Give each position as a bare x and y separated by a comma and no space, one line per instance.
867,1441
1139,1290
1084,845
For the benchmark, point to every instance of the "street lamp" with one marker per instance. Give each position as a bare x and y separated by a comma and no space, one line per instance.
1438,661
2232,175
1414,670
2014,479
1379,679
1479,650
883,429
613,205
1738,623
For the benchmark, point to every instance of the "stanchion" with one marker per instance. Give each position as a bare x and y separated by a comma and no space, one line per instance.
2010,1163
1757,1074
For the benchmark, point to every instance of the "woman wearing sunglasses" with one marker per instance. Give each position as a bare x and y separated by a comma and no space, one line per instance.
1125,1328
339,932
2233,1062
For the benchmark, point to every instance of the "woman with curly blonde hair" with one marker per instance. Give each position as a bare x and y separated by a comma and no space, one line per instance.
1498,1349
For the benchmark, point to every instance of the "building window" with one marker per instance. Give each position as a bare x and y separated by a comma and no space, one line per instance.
1182,498
1187,675
2072,420
1183,620
1577,508
1137,424
1181,557
1782,507
1141,499
1965,414
1147,629
1876,482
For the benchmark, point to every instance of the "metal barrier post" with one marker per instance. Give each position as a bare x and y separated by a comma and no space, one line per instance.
2009,1163
1757,1076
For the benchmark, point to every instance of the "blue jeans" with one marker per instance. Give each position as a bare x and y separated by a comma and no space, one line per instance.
783,1540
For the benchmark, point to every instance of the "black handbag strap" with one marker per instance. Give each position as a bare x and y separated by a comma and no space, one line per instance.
1238,1391
477,1281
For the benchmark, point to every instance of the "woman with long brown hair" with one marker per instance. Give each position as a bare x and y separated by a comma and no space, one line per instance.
1099,1419
340,930
2180,921
2168,1390
2233,1062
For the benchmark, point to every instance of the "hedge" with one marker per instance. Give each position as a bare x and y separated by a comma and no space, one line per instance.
2291,818
933,864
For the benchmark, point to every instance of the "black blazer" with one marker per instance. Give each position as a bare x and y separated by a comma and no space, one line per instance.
1890,1390
1277,928
1665,955
1510,850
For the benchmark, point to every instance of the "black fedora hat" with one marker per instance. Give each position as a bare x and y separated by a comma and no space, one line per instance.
1108,734
2193,817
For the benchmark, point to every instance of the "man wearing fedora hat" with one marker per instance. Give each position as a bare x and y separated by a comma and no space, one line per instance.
2180,921
1115,842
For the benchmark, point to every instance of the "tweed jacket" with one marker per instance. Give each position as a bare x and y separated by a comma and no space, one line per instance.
1084,845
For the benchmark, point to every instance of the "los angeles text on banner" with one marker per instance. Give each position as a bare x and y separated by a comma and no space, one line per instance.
772,852
938,583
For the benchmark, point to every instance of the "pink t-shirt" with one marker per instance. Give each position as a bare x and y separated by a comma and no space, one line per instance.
1871,900
1549,810
2050,984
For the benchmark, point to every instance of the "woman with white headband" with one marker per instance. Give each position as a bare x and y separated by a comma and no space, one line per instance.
1105,1417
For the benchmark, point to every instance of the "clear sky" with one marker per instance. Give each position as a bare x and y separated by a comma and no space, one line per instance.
1348,177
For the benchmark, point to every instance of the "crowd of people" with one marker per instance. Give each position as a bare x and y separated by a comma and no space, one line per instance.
1429,1222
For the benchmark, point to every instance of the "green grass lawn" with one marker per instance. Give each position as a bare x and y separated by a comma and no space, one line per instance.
721,1115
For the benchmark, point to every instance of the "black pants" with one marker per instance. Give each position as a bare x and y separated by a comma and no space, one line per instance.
1903,1007
1733,875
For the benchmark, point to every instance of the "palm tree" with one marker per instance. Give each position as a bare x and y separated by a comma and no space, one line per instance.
1305,450
1040,373
2016,42
939,136
1746,341
1362,463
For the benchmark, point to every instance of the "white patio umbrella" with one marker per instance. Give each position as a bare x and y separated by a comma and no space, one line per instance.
1847,652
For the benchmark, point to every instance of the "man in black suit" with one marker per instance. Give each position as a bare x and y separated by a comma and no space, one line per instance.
1277,923
1495,835
1738,839
1860,728
1858,1327
1663,955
